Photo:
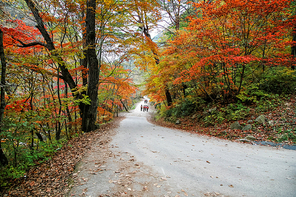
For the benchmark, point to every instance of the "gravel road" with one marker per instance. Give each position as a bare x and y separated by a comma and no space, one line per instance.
142,159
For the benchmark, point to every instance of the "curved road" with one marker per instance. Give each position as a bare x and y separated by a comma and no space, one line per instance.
171,162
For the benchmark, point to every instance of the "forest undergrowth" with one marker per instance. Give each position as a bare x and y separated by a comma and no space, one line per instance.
215,120
51,178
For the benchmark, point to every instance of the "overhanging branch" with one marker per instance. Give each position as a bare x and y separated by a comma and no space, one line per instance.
29,44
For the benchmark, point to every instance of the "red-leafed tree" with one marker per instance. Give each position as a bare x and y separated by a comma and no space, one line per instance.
224,40
54,88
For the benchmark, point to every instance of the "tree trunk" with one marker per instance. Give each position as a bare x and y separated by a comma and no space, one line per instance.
184,87
241,80
67,109
58,132
89,115
168,96
124,105
3,158
30,117
39,136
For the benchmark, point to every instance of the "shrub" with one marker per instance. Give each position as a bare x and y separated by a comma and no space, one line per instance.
279,80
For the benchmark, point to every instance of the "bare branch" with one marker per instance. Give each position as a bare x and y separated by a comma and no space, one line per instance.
31,44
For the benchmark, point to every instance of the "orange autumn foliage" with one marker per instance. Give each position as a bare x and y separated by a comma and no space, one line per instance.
223,40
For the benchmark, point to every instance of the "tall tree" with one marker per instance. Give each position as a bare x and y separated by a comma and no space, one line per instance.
3,159
89,113
174,9
223,41
146,14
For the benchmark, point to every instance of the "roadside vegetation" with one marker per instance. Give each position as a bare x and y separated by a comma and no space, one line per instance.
228,64
216,119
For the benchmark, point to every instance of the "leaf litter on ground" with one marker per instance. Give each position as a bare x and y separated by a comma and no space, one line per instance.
51,177
280,129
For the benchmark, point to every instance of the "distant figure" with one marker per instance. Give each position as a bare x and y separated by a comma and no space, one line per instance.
141,107
145,108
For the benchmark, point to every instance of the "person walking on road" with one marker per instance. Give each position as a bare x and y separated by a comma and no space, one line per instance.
145,108
141,107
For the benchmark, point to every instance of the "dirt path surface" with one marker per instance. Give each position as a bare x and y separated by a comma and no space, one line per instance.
142,159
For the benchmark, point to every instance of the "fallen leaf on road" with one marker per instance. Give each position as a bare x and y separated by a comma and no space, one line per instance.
230,186
184,192
208,162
